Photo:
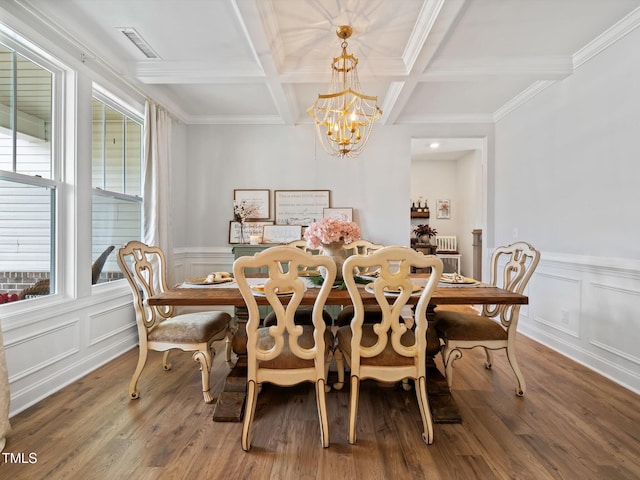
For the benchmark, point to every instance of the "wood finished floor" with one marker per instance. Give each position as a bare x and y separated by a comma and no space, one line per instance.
572,424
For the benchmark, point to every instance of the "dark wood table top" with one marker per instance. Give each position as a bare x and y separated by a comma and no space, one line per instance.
231,296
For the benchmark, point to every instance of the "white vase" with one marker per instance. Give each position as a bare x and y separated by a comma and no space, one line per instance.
336,252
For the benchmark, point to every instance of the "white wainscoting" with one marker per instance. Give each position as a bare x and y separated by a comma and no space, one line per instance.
589,310
199,262
53,341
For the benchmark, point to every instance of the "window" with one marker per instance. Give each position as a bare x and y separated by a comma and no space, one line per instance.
117,178
29,173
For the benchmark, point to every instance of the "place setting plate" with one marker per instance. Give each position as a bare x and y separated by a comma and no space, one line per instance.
417,289
370,276
309,273
455,279
258,291
211,279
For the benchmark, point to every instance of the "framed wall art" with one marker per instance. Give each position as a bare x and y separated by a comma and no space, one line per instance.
443,209
281,233
250,229
345,214
300,207
260,200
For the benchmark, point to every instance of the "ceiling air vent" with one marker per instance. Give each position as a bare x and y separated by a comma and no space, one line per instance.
138,41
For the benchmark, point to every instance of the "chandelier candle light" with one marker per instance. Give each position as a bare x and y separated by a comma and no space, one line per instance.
344,117
331,234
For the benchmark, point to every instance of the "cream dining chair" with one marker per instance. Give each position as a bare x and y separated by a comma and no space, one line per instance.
389,351
285,353
362,247
494,328
303,315
159,328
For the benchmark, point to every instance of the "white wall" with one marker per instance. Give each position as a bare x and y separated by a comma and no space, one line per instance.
566,176
223,158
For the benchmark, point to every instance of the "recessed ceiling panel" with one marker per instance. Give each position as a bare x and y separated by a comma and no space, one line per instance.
495,28
183,30
381,28
460,98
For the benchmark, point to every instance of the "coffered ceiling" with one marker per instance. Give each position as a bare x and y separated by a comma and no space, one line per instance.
265,61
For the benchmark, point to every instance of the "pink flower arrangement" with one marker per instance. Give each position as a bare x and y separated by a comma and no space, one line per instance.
329,230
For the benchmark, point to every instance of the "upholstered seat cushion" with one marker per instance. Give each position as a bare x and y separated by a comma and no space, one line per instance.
467,326
287,359
301,317
190,327
372,314
388,356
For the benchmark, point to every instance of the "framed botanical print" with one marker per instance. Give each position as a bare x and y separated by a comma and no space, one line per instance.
443,209
258,201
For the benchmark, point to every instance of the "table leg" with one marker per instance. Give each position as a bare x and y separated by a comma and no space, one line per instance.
230,404
443,408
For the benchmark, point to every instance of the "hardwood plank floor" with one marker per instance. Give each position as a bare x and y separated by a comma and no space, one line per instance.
572,424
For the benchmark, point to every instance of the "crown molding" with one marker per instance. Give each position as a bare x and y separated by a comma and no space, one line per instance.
608,38
521,98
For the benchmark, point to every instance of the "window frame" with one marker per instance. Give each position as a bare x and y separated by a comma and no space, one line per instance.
56,184
109,100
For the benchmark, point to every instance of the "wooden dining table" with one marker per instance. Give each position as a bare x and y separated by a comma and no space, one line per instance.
230,403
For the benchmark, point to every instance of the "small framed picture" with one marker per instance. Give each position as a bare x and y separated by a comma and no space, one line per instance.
443,209
259,201
281,233
251,229
345,214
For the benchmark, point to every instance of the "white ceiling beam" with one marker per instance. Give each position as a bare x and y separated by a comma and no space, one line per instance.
258,21
434,22
543,68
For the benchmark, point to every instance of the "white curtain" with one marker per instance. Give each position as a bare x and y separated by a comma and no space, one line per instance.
156,185
5,426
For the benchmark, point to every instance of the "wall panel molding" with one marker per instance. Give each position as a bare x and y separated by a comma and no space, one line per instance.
582,306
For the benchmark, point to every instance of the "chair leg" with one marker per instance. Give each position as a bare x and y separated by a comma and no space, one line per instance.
353,408
340,367
203,357
489,356
522,386
165,360
327,362
133,384
450,355
321,402
250,410
229,348
425,412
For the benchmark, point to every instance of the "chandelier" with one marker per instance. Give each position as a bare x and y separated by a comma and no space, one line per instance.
344,117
